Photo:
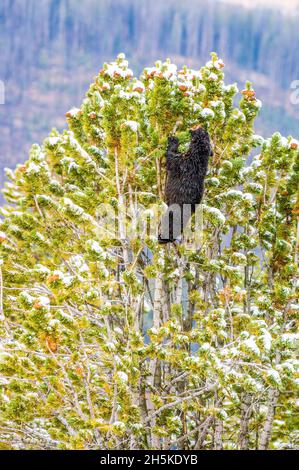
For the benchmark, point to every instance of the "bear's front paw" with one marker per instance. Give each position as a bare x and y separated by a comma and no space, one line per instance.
173,141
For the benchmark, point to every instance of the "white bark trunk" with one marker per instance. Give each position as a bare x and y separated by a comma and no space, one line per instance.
267,430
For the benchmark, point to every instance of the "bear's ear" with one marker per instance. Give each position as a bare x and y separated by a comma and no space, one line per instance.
194,129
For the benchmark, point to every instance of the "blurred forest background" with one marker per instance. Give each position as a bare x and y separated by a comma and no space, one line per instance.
51,49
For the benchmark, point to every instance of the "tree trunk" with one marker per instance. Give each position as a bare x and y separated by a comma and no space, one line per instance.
244,425
267,430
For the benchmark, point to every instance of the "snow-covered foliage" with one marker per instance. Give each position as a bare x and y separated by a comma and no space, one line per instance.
114,342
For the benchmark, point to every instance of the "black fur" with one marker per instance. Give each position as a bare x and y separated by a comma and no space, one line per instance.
184,183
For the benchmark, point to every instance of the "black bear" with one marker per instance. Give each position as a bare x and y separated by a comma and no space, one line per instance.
184,182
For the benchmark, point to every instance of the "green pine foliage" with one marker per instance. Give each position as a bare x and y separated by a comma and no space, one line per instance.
114,342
